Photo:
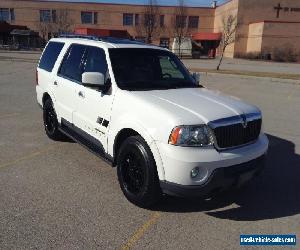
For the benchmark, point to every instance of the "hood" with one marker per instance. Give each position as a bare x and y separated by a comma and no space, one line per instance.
196,105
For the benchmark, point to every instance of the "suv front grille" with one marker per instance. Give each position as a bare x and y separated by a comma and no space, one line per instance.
235,134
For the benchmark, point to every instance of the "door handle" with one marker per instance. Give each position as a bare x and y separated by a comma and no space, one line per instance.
55,83
81,94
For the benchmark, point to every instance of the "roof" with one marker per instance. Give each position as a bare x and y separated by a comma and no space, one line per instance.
107,42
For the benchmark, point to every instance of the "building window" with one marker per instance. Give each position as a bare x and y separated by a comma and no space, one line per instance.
7,15
164,42
127,19
88,17
45,16
162,21
54,16
137,19
180,21
12,15
193,22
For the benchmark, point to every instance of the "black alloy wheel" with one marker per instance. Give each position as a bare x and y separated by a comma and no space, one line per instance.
137,172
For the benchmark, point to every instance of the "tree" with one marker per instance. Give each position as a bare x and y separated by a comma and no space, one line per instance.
180,26
63,22
229,26
149,25
44,29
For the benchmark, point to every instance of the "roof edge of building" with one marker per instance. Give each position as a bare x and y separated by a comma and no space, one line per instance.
104,3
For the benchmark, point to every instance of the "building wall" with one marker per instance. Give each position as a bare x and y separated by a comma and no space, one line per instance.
110,16
222,12
258,23
252,11
281,35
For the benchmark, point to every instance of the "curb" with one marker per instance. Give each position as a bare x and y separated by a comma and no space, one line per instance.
271,79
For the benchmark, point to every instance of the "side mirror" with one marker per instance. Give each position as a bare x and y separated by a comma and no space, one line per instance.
93,79
196,77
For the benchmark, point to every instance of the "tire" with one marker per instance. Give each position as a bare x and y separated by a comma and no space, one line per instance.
50,121
137,172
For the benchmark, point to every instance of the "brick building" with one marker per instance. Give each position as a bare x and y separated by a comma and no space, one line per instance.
263,24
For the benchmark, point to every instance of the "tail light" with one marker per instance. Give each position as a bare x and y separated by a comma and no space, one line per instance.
36,78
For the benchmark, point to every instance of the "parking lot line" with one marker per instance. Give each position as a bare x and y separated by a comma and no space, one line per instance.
9,115
141,231
27,157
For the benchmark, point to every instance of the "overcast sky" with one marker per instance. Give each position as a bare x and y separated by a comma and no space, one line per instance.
160,2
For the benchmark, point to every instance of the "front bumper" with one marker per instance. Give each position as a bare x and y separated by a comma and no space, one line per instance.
178,162
220,180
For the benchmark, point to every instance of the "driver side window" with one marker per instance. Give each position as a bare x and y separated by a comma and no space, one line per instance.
96,61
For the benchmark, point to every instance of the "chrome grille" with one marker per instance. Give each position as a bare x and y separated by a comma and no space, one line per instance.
237,134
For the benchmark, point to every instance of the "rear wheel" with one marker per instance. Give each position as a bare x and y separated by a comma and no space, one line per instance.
50,121
137,172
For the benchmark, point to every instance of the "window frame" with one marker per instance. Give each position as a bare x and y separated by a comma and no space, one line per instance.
10,14
42,20
83,60
162,21
125,16
57,42
181,21
192,22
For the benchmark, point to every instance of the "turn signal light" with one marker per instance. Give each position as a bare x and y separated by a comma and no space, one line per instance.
174,136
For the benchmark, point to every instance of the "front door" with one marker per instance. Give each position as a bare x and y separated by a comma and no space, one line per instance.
93,108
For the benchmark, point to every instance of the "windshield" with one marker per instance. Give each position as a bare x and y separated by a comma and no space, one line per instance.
149,69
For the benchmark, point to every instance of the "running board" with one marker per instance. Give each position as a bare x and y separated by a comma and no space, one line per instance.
85,140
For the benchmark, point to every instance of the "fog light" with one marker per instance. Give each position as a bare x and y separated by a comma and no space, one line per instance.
195,171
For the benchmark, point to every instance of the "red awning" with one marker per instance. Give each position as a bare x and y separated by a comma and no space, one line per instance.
206,36
102,32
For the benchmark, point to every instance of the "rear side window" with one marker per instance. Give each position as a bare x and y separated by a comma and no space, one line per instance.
72,65
50,55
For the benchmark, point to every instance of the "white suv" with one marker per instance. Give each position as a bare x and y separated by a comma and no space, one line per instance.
138,107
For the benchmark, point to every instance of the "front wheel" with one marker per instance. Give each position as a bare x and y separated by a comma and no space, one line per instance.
137,172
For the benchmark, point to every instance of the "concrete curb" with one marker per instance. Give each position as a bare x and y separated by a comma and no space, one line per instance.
271,79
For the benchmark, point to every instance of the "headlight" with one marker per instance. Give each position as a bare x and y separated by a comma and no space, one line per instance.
192,136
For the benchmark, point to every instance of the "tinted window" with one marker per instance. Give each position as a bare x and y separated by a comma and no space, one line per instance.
50,55
72,65
148,69
95,61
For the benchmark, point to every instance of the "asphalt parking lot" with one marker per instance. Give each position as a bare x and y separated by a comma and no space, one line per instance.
57,195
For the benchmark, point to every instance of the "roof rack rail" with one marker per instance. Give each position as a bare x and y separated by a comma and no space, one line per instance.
107,39
96,38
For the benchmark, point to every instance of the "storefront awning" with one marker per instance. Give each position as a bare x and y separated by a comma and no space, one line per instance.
206,36
18,32
102,32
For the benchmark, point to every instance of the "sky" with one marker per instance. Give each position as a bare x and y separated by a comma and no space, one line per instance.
193,3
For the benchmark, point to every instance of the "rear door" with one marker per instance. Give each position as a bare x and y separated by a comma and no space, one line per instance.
67,79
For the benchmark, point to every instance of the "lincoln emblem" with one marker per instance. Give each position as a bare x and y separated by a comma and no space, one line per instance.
244,122
278,8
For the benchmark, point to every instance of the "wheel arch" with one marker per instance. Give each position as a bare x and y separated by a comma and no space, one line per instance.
46,96
124,133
